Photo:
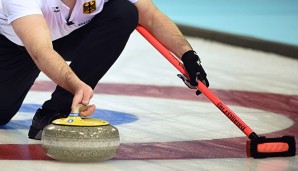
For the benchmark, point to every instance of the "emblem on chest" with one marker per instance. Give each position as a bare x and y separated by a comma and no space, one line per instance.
89,7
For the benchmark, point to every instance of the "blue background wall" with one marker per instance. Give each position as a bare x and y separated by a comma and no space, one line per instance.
273,20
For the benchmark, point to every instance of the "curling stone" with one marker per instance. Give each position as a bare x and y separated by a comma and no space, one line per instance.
76,139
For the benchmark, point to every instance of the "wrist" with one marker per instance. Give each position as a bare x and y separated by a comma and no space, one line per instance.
190,55
74,84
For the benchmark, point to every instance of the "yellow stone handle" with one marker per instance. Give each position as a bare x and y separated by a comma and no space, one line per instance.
79,107
74,118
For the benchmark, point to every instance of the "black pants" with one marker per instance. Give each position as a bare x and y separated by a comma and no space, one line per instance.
92,50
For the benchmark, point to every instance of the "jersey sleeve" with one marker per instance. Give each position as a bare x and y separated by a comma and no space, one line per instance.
18,8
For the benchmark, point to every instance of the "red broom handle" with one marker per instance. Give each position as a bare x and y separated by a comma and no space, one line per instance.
207,92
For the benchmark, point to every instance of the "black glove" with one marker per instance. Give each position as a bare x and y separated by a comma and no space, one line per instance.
192,64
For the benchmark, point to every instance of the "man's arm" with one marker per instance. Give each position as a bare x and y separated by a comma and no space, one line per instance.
35,35
162,27
166,31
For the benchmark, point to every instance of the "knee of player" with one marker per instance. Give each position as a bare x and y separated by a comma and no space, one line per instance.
129,17
4,121
6,115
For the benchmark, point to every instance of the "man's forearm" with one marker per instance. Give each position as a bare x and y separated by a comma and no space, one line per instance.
55,67
166,31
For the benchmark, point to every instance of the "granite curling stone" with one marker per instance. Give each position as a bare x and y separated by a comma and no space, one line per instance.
76,139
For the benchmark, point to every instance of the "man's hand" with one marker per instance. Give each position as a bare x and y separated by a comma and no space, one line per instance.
192,64
83,96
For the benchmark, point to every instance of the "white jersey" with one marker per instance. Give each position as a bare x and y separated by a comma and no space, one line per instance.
55,12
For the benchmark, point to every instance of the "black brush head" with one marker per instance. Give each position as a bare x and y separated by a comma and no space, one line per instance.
263,147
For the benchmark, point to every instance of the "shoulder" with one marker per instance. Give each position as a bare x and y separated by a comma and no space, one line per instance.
19,3
19,8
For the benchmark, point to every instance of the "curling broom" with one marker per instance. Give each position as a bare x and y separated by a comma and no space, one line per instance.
256,146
